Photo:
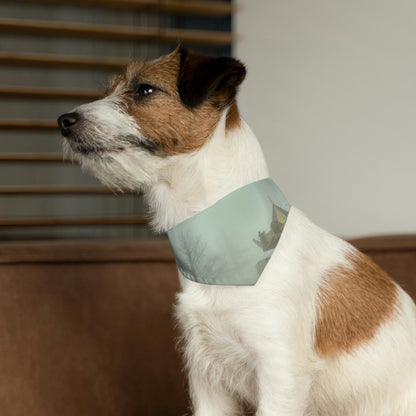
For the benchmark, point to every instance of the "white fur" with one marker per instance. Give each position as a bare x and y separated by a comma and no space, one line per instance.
256,343
107,121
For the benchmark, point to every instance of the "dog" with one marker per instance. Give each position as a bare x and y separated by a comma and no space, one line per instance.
323,331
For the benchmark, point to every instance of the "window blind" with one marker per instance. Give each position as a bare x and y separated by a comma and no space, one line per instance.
55,55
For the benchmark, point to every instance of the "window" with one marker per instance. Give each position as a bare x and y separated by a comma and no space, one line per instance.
55,55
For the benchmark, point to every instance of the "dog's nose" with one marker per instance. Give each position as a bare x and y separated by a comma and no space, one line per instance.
67,121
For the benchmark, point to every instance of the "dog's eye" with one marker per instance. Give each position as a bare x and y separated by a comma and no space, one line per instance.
143,90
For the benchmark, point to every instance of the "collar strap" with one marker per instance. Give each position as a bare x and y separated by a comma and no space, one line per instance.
231,242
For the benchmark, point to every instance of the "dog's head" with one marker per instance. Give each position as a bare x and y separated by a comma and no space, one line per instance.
154,111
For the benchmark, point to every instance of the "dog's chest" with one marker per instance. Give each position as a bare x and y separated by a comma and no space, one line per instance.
215,343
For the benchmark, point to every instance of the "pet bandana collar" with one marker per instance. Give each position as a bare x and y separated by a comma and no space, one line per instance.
231,242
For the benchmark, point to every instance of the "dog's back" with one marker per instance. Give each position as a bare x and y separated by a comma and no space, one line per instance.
364,333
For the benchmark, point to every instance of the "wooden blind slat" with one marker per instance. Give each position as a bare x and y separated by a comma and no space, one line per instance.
56,61
48,93
61,29
202,8
59,190
31,157
28,125
31,222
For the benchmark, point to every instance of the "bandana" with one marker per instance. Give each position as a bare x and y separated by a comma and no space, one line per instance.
231,242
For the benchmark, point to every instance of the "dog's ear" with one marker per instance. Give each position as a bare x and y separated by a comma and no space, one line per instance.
202,77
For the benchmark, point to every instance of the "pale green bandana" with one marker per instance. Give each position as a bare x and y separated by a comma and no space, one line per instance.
231,242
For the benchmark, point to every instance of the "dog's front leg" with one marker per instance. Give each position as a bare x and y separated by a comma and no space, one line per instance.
209,399
283,386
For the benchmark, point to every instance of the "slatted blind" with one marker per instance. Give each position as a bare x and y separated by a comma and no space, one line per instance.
56,55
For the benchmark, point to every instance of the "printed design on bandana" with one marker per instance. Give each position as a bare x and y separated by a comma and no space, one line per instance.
268,240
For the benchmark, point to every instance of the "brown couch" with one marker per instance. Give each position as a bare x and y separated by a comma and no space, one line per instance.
86,328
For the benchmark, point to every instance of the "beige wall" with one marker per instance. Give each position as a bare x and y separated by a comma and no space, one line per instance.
331,95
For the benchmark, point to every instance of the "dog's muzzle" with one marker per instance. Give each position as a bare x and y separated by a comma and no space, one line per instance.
67,123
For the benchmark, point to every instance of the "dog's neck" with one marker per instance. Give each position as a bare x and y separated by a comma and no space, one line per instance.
191,183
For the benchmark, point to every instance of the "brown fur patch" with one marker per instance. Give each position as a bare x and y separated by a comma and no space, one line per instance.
162,117
233,116
353,303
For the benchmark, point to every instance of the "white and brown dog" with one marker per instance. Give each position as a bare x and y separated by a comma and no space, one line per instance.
324,331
